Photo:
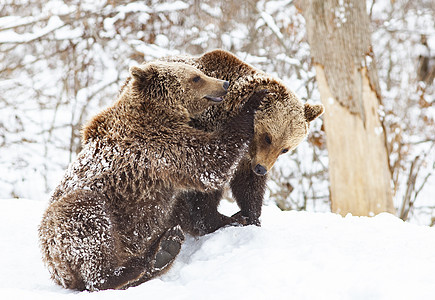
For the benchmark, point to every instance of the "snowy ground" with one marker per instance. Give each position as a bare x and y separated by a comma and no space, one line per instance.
294,255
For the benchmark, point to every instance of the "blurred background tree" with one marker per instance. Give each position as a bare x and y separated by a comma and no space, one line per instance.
62,61
339,35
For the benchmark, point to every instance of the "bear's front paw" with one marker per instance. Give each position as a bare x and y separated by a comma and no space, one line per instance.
255,100
244,220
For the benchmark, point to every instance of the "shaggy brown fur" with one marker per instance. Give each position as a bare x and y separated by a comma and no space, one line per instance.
280,125
108,224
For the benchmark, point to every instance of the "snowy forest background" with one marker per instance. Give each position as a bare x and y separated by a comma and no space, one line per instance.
62,61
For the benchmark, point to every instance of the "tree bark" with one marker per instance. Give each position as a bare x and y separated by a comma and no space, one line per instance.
339,38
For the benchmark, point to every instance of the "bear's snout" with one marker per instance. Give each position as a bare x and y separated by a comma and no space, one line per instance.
222,90
226,85
260,170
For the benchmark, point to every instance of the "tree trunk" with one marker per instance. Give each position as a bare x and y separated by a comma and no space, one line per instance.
339,37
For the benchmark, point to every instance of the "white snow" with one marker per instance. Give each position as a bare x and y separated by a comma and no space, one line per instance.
9,36
177,5
294,255
268,19
379,130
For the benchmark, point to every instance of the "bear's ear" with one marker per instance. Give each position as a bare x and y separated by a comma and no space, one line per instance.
143,72
313,111
136,71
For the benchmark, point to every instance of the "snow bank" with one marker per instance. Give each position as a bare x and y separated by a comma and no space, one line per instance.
294,255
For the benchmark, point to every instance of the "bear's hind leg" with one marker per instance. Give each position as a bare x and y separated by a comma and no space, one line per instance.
160,258
77,240
168,248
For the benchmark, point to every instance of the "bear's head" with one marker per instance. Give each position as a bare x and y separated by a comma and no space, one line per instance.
280,126
177,84
169,87
282,121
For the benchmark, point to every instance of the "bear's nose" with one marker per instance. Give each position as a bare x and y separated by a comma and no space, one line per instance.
226,85
260,170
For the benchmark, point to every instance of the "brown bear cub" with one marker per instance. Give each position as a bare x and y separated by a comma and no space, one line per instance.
281,123
108,224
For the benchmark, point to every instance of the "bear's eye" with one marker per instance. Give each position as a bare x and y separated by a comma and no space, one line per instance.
196,79
284,151
267,139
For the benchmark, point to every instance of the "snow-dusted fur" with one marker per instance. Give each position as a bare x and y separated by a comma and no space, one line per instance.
108,223
281,123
